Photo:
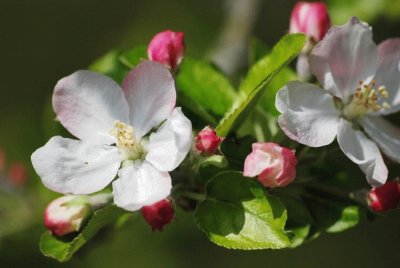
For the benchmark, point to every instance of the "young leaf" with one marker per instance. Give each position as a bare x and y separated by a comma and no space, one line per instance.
110,65
238,214
205,85
133,57
62,249
259,75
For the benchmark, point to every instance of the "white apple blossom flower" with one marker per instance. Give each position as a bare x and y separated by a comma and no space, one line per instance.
362,83
115,125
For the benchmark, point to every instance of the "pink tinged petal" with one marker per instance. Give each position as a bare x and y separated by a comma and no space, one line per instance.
88,104
150,91
77,167
362,151
170,144
167,48
308,114
140,185
385,135
345,56
388,73
274,165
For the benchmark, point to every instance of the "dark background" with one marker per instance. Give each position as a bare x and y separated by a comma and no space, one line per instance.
42,41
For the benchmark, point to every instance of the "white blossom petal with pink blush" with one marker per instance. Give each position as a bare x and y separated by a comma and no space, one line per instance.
345,56
388,73
150,91
170,144
384,134
77,167
87,105
308,114
363,152
140,185
274,166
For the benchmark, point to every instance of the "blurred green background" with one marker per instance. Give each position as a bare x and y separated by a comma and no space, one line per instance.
45,40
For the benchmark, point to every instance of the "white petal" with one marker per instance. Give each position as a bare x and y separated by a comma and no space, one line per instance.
150,91
77,167
308,114
363,152
140,185
346,55
170,144
388,73
88,104
385,134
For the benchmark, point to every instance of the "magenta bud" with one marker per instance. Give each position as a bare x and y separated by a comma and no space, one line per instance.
207,141
17,174
385,197
159,214
274,166
67,214
311,19
167,48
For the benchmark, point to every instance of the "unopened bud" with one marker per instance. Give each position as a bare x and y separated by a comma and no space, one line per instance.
167,48
207,141
274,166
67,214
159,214
311,19
385,197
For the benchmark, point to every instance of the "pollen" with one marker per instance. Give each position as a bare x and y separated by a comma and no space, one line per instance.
126,141
366,98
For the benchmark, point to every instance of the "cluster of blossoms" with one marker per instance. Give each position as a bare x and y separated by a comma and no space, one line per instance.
132,136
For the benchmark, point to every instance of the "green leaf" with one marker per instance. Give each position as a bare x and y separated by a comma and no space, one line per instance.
133,57
239,214
236,150
110,65
62,249
259,75
349,217
205,85
197,109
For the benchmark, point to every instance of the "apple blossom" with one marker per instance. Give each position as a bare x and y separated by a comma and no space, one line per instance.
207,141
385,197
137,126
67,214
167,48
361,83
274,166
159,214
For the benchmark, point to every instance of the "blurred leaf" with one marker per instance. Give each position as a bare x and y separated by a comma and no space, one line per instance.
205,85
238,214
299,219
259,75
62,249
110,65
134,56
257,50
236,150
332,215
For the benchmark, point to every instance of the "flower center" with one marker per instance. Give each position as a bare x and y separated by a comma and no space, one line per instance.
366,98
126,141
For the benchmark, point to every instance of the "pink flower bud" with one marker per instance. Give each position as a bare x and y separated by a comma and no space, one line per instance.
17,174
385,197
274,165
159,214
167,48
67,214
311,19
207,141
